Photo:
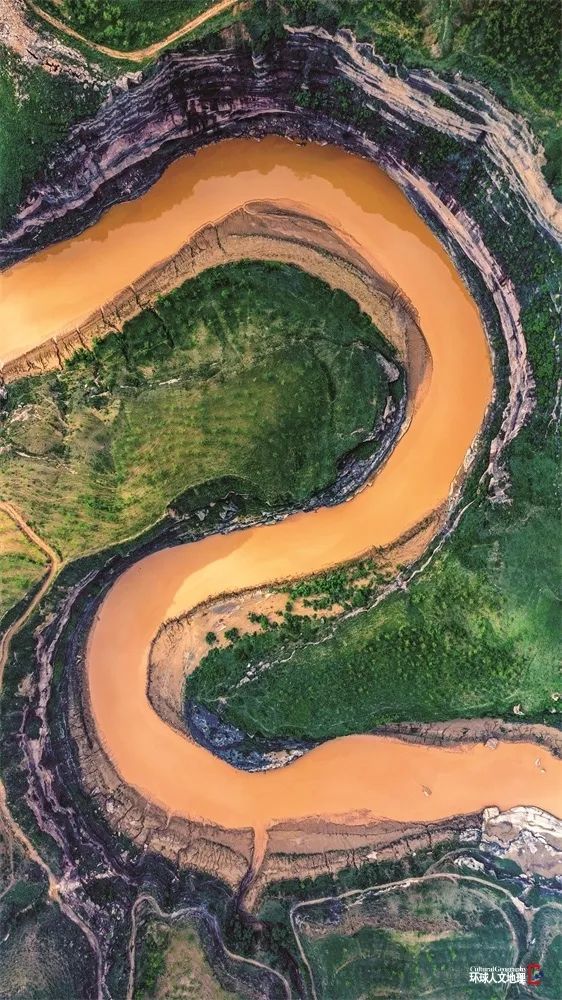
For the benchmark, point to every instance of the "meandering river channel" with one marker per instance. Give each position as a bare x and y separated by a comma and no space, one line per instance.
356,777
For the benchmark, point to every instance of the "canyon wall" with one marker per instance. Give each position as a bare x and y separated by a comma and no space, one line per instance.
188,100
259,231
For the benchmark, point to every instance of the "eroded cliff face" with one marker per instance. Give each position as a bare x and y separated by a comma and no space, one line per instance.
185,102
189,100
259,231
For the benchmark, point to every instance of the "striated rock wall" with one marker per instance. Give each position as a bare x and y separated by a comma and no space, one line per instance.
260,231
189,100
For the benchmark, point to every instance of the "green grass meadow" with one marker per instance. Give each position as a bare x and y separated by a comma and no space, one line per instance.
254,371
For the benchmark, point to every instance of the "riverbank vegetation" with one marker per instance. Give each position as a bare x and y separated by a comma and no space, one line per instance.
251,371
382,922
126,24
487,40
22,564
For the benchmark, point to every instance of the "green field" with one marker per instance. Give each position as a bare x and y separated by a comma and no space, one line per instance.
57,957
254,371
547,933
171,965
410,942
22,564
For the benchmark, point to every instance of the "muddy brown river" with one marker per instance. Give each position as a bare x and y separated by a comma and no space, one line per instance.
357,777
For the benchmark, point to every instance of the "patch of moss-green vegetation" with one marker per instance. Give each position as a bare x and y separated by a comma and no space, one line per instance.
171,965
513,46
253,371
412,940
58,961
547,949
36,111
476,634
22,564
126,24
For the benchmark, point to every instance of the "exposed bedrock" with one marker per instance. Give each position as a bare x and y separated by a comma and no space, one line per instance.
189,100
184,102
528,836
260,231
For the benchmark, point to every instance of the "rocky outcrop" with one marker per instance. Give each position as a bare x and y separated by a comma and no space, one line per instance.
526,835
475,117
259,231
475,731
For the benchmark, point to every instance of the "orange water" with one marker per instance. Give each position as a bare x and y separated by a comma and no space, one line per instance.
356,775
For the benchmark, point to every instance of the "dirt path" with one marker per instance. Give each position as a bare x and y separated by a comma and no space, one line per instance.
376,890
137,55
10,823
55,563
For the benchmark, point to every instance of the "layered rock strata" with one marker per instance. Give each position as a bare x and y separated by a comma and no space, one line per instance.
259,231
189,100
262,231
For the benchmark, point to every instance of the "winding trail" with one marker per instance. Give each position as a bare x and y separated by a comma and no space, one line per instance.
5,639
190,912
379,890
136,55
54,566
11,824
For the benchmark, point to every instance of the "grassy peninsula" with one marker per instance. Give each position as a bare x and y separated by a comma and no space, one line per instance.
253,371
